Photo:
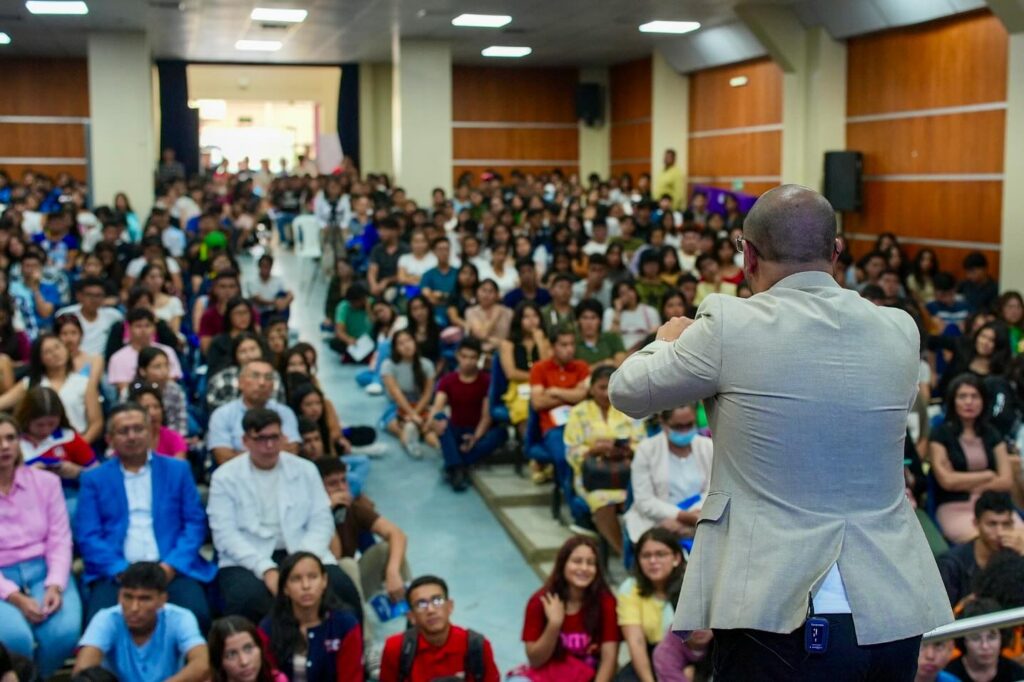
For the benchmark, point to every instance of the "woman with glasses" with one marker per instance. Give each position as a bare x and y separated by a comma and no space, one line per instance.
236,653
646,601
310,636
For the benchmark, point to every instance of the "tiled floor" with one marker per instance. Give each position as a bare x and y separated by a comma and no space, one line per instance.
454,536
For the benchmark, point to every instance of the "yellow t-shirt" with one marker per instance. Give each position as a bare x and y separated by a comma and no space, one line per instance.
652,614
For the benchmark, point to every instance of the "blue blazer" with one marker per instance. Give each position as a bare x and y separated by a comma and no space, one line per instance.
179,521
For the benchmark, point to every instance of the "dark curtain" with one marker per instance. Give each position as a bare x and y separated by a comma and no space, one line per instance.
179,125
348,111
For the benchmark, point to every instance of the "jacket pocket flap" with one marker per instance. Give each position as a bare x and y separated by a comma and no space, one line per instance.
714,506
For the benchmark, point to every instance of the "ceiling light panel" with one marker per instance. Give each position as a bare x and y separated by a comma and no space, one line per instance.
676,27
4,39
258,45
56,7
482,20
509,51
278,15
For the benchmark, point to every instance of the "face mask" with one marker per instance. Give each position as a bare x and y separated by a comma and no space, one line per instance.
681,438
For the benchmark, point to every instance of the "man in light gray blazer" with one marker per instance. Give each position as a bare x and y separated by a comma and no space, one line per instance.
806,529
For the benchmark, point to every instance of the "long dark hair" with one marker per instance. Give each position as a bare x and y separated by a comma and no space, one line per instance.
237,341
951,417
9,343
40,401
418,374
1001,354
295,398
592,596
285,635
237,302
645,586
433,331
516,329
224,628
36,369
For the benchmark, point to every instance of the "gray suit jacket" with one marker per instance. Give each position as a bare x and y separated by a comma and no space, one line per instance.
807,388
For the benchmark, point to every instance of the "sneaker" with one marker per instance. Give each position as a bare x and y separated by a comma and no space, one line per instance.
541,474
373,450
411,440
459,479
374,389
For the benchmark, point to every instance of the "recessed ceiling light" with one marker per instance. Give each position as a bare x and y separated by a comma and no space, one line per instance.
505,51
284,16
57,7
258,45
482,20
4,39
738,81
669,26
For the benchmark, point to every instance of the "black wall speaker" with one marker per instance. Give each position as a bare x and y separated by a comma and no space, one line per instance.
590,103
843,180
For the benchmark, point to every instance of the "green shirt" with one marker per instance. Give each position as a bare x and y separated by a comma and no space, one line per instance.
357,322
608,344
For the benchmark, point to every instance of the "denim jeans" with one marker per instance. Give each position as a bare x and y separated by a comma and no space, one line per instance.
49,643
451,439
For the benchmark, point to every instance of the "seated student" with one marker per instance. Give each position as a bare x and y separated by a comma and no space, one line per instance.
351,322
527,344
163,440
37,299
310,405
933,657
570,629
629,318
464,296
120,332
529,289
154,370
488,321
381,565
309,635
978,289
556,384
124,364
40,611
51,366
238,317
949,312
674,660
96,319
433,648
69,330
414,264
466,431
968,458
225,287
438,283
267,291
166,307
595,347
671,474
237,653
225,433
596,284
257,519
646,601
982,659
137,507
222,387
596,430
650,287
711,281
421,322
408,380
143,637
559,312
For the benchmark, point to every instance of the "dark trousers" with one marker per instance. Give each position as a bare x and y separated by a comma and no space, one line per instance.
245,595
743,655
451,440
183,591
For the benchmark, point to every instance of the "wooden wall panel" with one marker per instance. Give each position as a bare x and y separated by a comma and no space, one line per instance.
950,258
736,155
951,62
630,85
46,140
956,143
714,104
515,143
631,141
16,170
42,86
635,169
963,211
494,93
478,170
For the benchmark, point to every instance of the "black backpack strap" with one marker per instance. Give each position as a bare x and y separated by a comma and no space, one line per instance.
408,654
474,663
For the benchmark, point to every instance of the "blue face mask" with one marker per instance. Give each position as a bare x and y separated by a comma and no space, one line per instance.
681,438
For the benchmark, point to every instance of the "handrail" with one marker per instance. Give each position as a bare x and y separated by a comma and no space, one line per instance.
996,620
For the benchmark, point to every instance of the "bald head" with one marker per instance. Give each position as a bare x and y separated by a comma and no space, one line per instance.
791,224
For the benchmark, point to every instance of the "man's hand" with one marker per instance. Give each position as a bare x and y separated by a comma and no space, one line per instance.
270,580
395,586
468,441
342,497
168,571
673,329
1012,540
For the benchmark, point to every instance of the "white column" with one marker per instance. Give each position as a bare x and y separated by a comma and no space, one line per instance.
122,154
1012,256
595,142
670,121
421,125
824,104
375,118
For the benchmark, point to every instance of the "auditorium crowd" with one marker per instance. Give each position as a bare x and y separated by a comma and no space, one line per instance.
181,499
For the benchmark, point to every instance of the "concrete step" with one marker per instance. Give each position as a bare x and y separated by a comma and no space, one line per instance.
537,535
500,486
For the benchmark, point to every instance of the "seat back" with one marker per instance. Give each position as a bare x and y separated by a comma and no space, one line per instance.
308,229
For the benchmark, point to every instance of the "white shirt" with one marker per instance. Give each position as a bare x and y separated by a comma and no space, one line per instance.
266,289
831,595
136,265
506,282
685,478
95,333
417,266
140,541
268,482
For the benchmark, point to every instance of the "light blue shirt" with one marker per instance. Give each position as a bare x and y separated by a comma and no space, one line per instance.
140,540
225,428
176,633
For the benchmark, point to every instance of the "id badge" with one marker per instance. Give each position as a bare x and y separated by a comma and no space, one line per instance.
816,635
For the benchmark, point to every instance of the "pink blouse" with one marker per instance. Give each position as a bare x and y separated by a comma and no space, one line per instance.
170,443
34,518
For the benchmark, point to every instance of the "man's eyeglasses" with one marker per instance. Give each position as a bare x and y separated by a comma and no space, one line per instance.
260,376
421,605
740,243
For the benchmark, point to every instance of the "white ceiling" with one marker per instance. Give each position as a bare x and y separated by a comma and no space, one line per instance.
570,32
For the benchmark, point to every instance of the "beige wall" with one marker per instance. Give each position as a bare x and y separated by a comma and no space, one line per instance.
318,84
1011,272
375,118
670,121
595,142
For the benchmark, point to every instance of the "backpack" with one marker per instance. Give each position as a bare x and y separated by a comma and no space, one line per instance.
473,664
